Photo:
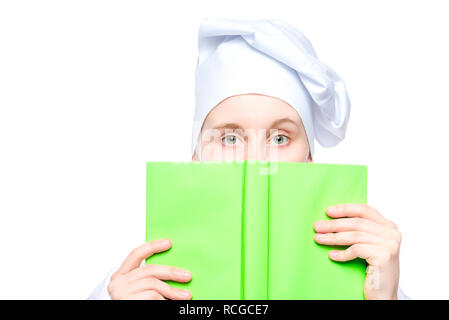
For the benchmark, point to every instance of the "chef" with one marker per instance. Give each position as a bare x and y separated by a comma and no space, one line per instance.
261,93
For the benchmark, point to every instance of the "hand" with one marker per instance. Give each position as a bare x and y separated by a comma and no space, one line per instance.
369,236
145,283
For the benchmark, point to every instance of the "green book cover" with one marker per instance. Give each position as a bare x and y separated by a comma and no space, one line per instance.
245,229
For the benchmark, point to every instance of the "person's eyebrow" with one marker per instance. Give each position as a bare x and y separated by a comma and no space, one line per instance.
276,123
228,125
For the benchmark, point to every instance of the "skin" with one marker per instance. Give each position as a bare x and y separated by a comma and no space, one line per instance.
259,127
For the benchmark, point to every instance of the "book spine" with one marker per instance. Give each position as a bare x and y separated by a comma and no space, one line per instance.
242,236
268,232
254,267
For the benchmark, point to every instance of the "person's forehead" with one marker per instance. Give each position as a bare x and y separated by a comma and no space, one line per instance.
251,110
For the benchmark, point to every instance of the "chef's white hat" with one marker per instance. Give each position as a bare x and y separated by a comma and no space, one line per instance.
273,58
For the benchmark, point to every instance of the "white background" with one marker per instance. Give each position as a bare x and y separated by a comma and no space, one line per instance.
91,90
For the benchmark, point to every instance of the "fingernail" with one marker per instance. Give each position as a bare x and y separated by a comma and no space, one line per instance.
319,225
332,209
185,273
320,236
333,254
185,294
165,242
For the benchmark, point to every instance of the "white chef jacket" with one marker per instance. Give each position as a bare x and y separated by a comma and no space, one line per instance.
101,291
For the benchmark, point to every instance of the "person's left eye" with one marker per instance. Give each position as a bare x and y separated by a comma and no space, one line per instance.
279,140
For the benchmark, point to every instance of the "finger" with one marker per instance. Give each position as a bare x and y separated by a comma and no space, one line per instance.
364,251
147,295
348,224
160,272
373,254
146,250
348,238
357,210
160,286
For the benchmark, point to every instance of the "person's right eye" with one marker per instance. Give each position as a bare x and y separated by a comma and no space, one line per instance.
230,140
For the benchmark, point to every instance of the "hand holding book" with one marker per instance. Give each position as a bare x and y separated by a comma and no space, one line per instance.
132,282
370,236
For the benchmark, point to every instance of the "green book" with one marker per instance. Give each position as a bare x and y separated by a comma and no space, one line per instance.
245,229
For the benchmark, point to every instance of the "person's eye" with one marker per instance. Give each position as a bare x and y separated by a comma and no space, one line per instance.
230,140
279,140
